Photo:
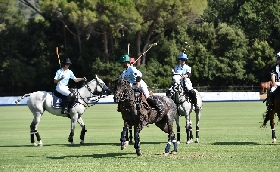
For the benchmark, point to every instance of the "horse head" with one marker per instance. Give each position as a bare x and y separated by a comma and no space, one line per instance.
176,81
123,90
179,96
96,87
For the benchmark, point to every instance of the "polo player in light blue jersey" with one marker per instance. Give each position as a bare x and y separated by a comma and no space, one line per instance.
134,77
185,71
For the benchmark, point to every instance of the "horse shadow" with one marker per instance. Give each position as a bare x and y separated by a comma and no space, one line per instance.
235,143
81,145
99,155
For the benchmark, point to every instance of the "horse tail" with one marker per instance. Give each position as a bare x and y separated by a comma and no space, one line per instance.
22,97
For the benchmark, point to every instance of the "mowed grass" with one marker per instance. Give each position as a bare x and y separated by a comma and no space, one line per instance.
230,140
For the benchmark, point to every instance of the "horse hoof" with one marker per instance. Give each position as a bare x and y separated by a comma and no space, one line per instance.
138,152
40,143
123,146
165,153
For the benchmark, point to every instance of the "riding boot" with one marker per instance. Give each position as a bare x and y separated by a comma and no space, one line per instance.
118,108
271,101
65,109
193,97
156,103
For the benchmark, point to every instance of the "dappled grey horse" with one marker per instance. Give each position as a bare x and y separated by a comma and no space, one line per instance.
40,101
184,108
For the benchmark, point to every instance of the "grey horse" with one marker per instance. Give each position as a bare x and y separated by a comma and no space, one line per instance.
184,108
40,101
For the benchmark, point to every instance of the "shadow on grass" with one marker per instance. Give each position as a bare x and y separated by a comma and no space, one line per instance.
85,144
100,155
235,143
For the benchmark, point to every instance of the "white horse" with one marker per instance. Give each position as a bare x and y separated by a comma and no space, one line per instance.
40,101
184,108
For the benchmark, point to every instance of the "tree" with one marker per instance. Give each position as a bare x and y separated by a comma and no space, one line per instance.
160,16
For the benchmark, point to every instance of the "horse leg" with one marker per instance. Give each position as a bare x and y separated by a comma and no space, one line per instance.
272,128
130,135
33,130
188,129
123,137
126,136
197,126
178,128
83,131
171,139
73,123
137,142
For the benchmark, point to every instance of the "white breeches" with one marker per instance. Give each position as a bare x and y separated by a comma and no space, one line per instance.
188,84
63,89
143,88
274,88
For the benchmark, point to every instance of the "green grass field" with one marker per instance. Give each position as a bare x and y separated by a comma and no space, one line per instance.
230,140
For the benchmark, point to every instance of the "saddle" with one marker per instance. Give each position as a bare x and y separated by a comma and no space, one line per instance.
59,99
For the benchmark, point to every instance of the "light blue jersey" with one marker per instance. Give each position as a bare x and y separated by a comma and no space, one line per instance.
182,70
130,74
67,75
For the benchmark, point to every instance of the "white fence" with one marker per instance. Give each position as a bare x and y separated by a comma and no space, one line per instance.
206,96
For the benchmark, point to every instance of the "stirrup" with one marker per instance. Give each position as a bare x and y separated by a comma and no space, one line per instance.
65,111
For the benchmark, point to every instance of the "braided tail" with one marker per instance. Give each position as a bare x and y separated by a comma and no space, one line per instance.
22,97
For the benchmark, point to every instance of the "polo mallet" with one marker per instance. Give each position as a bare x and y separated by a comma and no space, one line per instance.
128,44
56,50
149,47
187,46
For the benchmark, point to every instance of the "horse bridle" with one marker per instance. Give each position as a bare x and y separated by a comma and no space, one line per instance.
121,94
92,94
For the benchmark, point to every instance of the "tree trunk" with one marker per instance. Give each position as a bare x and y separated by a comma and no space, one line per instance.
105,44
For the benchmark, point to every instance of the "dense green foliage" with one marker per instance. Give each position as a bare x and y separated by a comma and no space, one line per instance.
230,140
233,42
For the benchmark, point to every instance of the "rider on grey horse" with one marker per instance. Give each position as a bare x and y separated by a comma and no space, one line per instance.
275,79
134,77
61,78
185,71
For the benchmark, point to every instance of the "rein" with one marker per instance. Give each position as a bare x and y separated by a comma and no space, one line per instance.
92,94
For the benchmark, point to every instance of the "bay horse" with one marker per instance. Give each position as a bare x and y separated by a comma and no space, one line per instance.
41,101
138,113
269,114
265,87
184,108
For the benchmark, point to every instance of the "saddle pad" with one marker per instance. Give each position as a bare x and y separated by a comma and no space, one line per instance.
58,102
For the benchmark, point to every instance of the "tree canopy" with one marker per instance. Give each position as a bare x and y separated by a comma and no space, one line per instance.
232,42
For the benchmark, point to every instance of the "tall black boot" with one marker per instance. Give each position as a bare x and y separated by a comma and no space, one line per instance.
155,102
192,95
118,108
271,101
65,108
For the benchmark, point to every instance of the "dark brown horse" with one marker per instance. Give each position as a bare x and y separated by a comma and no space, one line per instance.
265,87
269,114
136,112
